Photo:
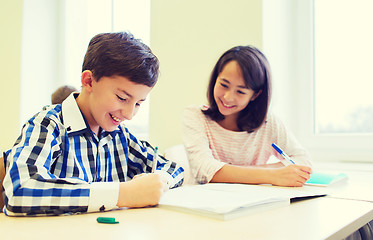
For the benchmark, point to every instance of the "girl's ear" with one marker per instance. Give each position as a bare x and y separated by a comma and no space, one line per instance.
255,95
87,79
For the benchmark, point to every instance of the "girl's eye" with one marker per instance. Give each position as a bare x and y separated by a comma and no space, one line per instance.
138,104
224,85
240,92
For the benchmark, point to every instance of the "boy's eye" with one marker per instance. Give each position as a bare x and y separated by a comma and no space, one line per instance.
138,104
121,99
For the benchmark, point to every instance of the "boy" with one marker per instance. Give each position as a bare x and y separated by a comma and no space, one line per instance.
78,157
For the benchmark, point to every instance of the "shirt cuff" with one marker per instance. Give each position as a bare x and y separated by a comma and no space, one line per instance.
168,177
103,196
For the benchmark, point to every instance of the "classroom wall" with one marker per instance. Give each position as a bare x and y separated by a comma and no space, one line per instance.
10,59
188,37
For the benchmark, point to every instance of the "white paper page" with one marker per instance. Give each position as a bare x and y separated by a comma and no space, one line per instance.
220,198
267,190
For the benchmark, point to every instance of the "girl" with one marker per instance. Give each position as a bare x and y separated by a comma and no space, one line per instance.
230,140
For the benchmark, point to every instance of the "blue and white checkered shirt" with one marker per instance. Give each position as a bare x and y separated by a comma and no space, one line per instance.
58,165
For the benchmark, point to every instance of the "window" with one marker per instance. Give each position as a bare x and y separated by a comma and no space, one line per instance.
55,37
343,63
319,53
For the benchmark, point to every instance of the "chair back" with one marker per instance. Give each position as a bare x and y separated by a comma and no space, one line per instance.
2,175
178,154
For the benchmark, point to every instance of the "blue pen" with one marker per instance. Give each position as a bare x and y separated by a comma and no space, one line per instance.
279,150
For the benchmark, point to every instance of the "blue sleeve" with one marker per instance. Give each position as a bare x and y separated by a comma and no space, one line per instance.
29,186
140,160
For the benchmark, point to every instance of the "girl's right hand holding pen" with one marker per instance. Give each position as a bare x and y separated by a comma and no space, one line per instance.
291,176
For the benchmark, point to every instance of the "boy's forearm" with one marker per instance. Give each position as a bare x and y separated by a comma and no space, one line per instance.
27,195
39,205
97,196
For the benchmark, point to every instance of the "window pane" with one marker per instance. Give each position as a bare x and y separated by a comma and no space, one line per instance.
343,66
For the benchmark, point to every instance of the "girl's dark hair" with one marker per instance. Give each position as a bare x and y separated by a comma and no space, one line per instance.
110,54
257,76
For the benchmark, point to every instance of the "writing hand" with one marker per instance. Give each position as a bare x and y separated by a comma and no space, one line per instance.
291,176
142,191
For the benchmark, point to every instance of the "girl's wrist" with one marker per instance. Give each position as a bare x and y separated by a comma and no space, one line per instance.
271,175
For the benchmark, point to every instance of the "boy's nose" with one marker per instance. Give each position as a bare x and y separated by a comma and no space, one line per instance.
128,112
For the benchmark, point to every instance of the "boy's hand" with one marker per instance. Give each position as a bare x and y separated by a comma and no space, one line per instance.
163,179
291,176
142,191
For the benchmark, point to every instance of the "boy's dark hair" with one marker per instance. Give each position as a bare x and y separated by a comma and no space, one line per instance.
257,76
110,54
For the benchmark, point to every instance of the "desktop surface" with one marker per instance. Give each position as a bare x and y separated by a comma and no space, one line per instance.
319,218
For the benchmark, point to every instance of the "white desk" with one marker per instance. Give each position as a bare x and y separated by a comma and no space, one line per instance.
359,185
320,218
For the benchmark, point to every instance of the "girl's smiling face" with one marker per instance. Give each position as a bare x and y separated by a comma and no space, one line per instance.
230,92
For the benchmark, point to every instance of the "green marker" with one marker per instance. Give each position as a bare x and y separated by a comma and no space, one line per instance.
107,220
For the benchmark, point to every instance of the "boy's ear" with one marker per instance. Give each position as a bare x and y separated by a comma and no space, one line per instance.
255,95
87,79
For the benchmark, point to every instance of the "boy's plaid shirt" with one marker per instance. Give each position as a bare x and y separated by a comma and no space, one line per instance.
59,166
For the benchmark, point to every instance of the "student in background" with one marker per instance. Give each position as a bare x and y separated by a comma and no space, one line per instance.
2,175
78,156
230,139
62,93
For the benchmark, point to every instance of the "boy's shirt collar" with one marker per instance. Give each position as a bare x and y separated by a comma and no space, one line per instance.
73,118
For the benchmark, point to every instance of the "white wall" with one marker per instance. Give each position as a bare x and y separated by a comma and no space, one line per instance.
10,60
40,37
188,37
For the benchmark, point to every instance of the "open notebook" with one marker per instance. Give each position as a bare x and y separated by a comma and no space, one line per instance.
226,201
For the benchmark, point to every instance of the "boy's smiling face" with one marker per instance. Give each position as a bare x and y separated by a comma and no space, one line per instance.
109,101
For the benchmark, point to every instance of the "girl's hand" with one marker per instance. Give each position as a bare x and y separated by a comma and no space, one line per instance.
291,176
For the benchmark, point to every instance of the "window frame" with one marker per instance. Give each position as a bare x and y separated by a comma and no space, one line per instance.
299,87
